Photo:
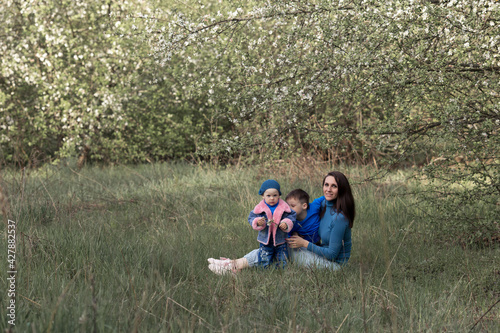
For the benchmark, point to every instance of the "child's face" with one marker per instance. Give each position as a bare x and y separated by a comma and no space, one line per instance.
271,196
297,206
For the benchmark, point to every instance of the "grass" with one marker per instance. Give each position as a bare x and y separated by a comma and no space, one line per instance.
124,249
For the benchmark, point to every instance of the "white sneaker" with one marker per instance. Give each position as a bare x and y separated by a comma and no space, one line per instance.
225,267
218,262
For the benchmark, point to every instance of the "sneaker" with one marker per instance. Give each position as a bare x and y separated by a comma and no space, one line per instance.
219,262
225,267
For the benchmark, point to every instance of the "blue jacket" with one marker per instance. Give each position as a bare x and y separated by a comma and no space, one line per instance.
282,213
308,227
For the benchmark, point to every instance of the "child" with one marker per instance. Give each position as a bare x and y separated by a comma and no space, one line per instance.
307,215
273,218
307,224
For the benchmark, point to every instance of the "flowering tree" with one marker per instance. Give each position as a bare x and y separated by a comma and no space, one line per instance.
403,81
58,82
366,79
70,84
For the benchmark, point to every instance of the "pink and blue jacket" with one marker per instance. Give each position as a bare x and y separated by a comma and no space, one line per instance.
282,213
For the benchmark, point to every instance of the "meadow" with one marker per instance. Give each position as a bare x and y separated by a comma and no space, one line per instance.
125,248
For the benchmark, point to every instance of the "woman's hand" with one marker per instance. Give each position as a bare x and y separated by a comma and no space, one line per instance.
296,242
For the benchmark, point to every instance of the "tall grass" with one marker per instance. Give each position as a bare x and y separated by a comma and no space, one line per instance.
124,249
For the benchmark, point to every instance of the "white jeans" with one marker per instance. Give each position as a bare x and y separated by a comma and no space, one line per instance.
300,257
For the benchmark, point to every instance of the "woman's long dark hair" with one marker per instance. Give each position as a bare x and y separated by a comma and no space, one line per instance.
345,200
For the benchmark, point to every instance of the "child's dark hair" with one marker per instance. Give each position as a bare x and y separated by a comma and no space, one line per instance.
300,195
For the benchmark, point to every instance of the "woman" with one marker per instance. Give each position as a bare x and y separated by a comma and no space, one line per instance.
336,220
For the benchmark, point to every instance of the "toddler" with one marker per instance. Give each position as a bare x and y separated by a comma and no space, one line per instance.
273,218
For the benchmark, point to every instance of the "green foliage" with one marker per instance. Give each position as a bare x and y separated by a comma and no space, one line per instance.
367,78
70,85
398,83
124,248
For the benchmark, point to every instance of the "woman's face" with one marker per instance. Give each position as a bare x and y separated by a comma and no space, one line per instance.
330,189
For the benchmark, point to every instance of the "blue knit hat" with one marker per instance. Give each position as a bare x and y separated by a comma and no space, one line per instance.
270,183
